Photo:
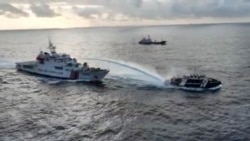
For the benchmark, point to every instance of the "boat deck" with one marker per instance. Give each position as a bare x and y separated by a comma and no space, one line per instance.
27,63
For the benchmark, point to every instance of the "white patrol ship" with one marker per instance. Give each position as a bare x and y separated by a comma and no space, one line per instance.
61,66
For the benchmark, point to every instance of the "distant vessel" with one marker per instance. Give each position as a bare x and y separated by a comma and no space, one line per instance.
148,41
196,82
61,66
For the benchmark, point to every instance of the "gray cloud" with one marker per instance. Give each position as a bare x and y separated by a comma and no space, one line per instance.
11,11
159,9
43,10
211,8
145,9
88,12
113,9
166,9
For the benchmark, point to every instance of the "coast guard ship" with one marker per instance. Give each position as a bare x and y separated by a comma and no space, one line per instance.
61,66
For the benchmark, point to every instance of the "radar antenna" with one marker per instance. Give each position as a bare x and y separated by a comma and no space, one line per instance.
51,47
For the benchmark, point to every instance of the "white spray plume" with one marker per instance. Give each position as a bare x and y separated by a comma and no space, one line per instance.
134,70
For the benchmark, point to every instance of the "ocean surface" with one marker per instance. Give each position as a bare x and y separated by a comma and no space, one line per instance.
132,103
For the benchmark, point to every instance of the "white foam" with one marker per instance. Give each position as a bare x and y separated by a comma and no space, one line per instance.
6,65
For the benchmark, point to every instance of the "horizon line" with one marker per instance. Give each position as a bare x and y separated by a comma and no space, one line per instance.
117,26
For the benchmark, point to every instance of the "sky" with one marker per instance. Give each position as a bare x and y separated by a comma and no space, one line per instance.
37,14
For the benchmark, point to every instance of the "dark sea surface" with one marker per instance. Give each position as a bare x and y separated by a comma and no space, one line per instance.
132,104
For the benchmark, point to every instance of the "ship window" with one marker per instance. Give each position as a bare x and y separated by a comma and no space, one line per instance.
69,64
28,66
58,68
194,81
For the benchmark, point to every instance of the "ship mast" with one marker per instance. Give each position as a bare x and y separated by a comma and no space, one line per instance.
51,47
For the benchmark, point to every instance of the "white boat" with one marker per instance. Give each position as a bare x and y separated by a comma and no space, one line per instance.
61,66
